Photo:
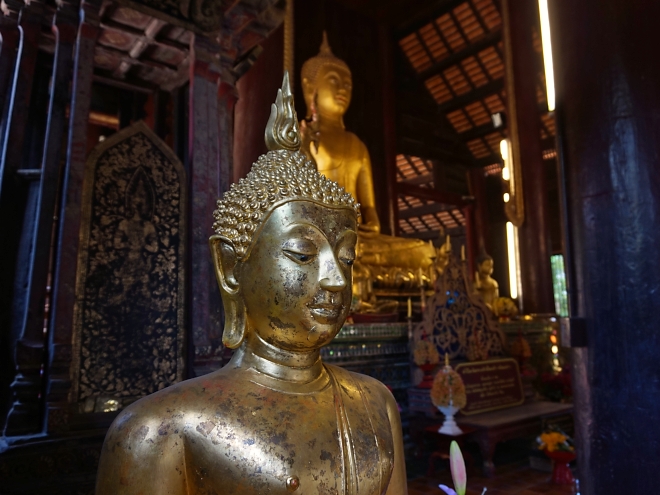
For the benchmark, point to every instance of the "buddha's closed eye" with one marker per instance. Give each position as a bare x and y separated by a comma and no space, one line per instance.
299,257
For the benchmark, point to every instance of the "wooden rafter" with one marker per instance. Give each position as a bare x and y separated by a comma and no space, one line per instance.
477,132
419,180
480,93
432,194
488,40
418,211
441,9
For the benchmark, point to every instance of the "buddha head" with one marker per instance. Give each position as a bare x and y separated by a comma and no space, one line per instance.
484,265
327,83
284,245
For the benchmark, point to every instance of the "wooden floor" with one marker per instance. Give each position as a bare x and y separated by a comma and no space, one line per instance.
511,479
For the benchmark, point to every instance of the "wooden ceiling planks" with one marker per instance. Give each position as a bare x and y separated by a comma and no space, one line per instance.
138,47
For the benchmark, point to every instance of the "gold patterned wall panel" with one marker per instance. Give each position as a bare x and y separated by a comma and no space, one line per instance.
130,293
457,321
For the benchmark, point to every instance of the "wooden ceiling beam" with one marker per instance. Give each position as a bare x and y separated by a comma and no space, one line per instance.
139,86
422,19
413,147
488,160
420,179
432,234
474,48
411,125
126,58
478,132
141,44
430,194
480,93
112,24
418,211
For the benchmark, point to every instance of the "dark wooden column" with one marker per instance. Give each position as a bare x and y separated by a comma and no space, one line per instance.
390,224
21,87
18,200
29,310
534,235
471,251
10,38
8,51
66,261
608,75
479,216
212,99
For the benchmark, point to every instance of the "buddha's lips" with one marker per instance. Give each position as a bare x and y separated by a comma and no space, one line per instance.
341,99
325,313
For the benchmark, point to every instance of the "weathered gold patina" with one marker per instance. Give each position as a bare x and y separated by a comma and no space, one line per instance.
341,156
276,419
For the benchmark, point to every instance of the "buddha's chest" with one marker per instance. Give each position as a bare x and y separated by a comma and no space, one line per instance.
339,161
273,444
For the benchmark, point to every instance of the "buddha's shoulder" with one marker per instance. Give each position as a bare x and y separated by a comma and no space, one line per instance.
169,410
356,142
368,384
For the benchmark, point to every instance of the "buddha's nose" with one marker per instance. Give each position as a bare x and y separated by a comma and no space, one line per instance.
331,276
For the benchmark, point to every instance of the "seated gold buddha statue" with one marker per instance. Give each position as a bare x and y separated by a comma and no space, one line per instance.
341,156
276,419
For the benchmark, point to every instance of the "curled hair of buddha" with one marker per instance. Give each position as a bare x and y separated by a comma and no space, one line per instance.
283,174
311,67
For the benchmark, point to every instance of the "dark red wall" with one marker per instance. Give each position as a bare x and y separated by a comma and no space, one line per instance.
257,89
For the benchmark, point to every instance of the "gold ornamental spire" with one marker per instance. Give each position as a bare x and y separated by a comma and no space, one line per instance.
325,49
282,131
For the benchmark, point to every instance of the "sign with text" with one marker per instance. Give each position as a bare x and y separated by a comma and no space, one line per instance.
490,385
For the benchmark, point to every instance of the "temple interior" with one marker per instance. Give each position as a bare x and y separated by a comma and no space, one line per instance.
505,277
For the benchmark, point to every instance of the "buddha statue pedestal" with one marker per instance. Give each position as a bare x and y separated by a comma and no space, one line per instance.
276,419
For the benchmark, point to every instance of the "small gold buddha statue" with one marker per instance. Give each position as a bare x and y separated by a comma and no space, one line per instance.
485,285
276,419
341,156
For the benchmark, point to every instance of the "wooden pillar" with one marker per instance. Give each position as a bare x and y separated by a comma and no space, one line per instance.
471,252
212,99
10,37
29,308
18,200
66,260
21,91
479,216
8,51
607,77
523,111
390,224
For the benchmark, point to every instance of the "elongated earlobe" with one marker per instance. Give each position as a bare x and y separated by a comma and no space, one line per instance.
235,324
225,262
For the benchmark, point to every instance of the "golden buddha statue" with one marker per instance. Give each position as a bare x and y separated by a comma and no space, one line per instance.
276,419
341,156
485,285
